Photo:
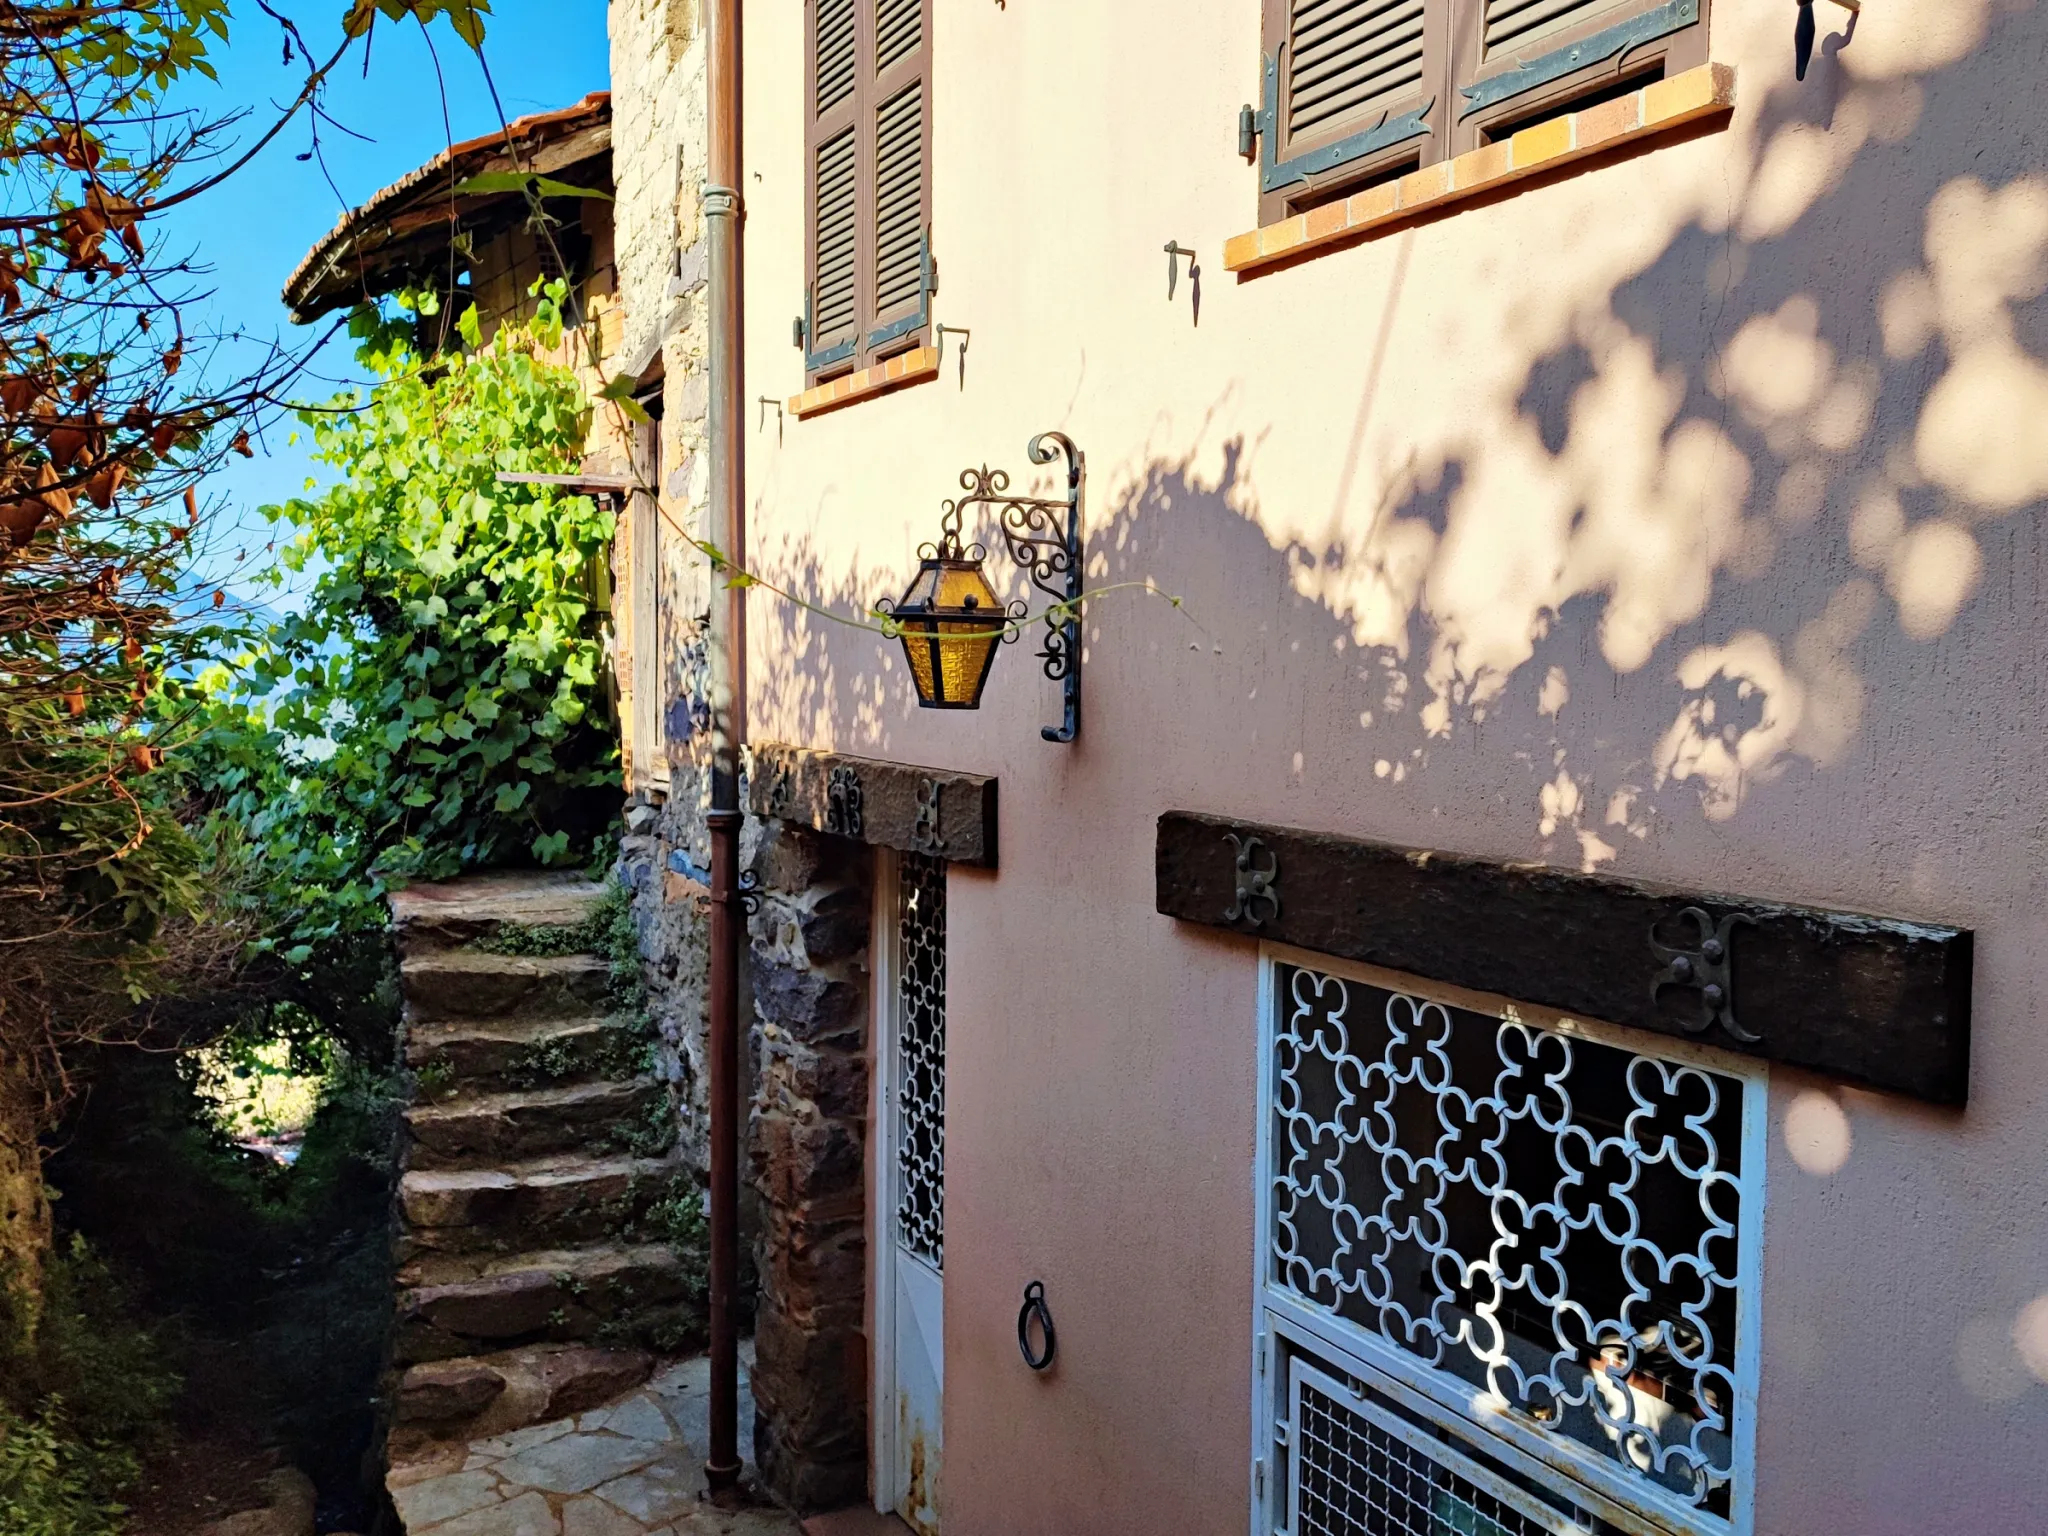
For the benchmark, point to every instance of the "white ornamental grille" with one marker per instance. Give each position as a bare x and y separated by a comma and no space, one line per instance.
921,1058
1553,1220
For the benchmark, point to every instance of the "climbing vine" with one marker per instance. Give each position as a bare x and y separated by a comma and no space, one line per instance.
440,700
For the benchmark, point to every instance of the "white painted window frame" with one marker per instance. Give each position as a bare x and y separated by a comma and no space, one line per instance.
1278,1315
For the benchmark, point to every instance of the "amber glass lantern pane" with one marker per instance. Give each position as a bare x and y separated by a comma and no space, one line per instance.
951,624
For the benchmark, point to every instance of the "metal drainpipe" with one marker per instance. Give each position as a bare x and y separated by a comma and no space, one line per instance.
724,227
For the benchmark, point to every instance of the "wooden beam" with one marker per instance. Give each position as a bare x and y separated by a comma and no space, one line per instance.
1877,1001
891,805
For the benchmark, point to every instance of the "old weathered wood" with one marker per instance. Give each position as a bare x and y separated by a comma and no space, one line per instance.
1876,1001
890,805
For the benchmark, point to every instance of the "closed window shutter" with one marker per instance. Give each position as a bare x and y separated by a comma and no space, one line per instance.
1349,88
1512,25
838,70
899,202
835,253
1345,58
1533,57
832,139
869,113
900,114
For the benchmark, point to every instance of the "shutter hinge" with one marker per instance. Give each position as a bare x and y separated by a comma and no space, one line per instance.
1247,131
1259,1476
796,333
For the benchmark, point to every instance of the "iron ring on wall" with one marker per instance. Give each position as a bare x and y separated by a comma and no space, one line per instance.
1035,1308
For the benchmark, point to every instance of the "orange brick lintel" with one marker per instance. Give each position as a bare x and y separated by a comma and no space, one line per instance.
912,367
1655,109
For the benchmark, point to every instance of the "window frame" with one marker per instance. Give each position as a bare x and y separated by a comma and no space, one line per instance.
1454,34
876,336
1285,1325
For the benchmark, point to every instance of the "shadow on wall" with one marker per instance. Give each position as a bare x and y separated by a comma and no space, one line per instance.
1770,511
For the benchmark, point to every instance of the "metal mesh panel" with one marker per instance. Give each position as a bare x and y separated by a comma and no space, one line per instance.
1541,1216
921,1058
1354,1475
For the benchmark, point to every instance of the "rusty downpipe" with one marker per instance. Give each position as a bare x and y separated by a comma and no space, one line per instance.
724,219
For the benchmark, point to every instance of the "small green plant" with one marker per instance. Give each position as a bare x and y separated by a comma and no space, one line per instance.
548,1061
47,1486
436,1078
80,1398
649,1133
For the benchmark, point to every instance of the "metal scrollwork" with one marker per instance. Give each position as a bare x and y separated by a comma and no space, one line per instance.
927,833
750,892
843,803
1709,968
1043,535
781,790
1255,886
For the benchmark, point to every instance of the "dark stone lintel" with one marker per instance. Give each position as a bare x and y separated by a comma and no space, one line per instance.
891,805
1876,1001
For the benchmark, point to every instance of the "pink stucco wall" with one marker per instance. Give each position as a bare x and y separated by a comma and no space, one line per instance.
1680,519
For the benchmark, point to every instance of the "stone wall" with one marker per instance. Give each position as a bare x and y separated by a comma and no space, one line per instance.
804,1208
810,979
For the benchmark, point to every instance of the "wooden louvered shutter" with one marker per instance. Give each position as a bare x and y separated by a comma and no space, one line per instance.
869,147
1519,60
902,149
1350,89
832,144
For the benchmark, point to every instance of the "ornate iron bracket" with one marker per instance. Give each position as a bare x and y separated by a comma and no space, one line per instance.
927,831
1049,548
843,802
1710,969
1254,886
750,892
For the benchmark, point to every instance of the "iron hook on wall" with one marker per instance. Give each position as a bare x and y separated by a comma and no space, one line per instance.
766,402
964,334
1174,251
1033,1311
1804,28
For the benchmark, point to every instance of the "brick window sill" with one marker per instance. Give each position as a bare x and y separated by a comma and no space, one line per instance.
1654,110
914,367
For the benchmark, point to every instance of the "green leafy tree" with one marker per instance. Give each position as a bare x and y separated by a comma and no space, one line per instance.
440,702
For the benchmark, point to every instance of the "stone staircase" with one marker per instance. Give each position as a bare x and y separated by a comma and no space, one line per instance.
534,1279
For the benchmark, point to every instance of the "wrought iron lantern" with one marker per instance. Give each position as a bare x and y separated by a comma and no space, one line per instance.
951,620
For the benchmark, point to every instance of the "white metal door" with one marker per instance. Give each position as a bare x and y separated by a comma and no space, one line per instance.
910,1356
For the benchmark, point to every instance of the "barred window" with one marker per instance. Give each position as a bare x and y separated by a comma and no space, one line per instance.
1508,1268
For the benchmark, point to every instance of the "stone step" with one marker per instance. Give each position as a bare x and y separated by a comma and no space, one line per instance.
496,1129
554,1203
470,1058
450,914
619,1295
445,985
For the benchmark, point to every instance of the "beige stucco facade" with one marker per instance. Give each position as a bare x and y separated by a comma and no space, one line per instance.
1677,517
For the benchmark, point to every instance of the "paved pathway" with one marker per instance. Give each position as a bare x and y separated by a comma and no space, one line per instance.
634,1468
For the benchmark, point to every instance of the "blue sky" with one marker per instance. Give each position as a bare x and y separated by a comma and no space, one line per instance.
253,230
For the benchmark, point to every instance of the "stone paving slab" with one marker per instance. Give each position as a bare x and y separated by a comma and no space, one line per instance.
634,1467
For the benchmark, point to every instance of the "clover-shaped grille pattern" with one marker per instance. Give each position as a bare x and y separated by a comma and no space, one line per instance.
1541,1215
921,1058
